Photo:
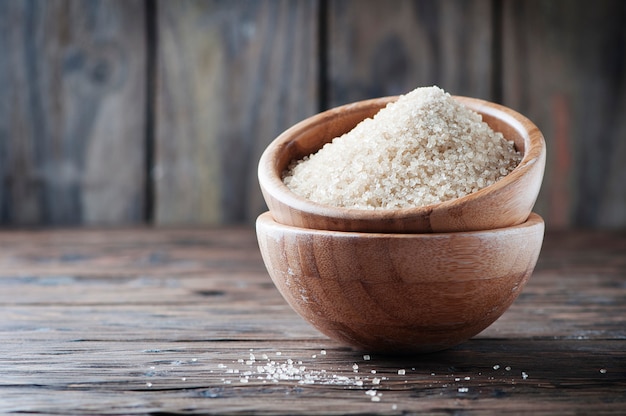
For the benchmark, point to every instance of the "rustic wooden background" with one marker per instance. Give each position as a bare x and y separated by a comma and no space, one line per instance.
138,111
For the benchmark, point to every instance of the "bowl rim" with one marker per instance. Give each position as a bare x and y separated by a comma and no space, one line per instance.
267,220
272,182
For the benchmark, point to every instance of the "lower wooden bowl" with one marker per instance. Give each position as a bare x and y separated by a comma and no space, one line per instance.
400,293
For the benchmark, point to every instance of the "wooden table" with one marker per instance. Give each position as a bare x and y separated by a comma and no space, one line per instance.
147,321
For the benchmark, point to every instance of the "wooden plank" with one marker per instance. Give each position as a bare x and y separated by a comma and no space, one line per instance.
73,112
380,48
231,76
186,321
151,376
565,68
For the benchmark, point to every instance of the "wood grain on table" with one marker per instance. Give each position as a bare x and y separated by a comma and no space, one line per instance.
147,321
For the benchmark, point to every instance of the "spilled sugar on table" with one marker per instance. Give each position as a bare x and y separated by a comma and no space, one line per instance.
169,321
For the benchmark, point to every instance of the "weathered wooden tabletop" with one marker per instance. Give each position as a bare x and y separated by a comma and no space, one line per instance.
149,321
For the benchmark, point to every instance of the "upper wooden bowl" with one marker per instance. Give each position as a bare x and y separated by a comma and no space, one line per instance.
400,293
507,202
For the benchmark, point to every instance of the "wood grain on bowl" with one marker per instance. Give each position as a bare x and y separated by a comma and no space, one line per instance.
400,292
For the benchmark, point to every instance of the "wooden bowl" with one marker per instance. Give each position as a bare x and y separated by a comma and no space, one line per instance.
399,293
505,203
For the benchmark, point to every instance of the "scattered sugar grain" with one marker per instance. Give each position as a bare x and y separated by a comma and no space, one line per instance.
603,370
149,384
463,389
507,368
524,375
366,357
496,367
401,372
425,148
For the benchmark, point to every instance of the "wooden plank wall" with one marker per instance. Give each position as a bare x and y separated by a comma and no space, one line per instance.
72,112
231,76
151,111
564,66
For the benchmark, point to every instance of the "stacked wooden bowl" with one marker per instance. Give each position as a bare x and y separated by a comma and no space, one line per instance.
408,280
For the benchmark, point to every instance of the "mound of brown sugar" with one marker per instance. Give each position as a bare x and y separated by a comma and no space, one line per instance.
422,149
